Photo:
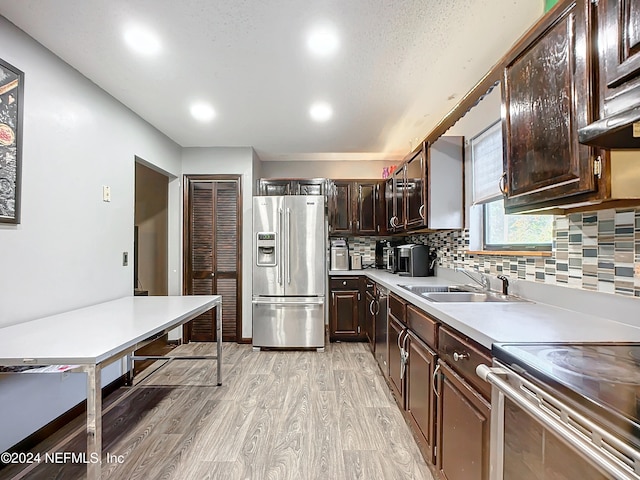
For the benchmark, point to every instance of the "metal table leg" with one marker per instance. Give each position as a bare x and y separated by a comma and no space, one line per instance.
94,421
219,340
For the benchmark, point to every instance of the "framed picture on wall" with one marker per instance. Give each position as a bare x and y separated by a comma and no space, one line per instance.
11,99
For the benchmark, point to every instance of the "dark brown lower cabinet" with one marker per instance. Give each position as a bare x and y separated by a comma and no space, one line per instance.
369,317
463,429
396,329
420,398
345,313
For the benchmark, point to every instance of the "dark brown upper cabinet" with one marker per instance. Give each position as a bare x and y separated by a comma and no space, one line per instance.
546,86
355,207
367,207
340,207
408,194
287,186
618,74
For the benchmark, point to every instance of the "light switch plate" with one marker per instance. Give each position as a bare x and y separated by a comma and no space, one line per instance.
125,259
106,193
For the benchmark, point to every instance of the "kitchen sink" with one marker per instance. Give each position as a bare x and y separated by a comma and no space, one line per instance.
466,297
424,289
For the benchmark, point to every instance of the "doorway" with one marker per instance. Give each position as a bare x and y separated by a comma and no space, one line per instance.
212,246
151,231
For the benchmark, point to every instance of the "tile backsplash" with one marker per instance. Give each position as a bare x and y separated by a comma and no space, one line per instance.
598,251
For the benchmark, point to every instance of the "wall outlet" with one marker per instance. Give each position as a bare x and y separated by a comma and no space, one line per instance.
106,193
125,259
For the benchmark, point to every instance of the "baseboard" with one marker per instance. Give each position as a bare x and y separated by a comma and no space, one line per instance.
245,340
57,423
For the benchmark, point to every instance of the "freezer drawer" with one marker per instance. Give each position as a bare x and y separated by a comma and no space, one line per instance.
288,322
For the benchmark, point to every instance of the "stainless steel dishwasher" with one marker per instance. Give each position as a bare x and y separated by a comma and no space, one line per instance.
381,315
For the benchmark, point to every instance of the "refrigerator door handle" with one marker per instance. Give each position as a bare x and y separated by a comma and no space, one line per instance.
280,303
280,240
288,240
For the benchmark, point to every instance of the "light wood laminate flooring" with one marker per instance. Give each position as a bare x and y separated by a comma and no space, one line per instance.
278,415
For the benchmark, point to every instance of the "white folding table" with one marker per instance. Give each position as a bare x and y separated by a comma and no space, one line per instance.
95,336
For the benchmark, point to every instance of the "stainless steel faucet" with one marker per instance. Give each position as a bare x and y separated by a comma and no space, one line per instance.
483,282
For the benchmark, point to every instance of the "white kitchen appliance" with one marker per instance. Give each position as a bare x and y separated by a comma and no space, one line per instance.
289,271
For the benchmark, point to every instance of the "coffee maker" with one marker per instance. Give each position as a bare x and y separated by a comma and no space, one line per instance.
380,244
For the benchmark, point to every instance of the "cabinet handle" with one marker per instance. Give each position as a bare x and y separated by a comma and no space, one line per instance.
371,307
404,355
434,381
460,356
421,211
501,183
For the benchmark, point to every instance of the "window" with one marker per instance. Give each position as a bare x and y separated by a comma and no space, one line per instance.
501,231
515,232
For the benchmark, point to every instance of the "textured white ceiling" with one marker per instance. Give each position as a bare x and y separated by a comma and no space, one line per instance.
401,67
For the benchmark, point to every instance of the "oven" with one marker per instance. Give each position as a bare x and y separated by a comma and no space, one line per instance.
564,411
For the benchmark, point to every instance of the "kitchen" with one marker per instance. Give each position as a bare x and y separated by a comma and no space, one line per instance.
591,269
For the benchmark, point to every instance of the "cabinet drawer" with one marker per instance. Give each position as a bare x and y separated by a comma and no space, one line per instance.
423,326
464,355
344,283
398,308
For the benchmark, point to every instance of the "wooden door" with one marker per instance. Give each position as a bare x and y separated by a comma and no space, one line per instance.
345,314
395,330
367,199
341,208
546,95
399,205
275,187
414,190
463,429
212,253
419,395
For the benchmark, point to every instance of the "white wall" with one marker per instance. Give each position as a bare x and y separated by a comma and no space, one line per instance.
67,252
231,161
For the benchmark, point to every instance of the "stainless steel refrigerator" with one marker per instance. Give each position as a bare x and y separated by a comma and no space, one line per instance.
289,271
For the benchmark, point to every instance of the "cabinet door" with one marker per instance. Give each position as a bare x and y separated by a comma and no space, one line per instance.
341,214
419,394
399,205
396,330
275,187
369,318
463,429
344,316
414,190
619,34
311,186
367,200
389,205
546,89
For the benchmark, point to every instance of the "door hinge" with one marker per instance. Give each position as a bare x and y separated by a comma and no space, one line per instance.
358,329
358,296
597,166
435,451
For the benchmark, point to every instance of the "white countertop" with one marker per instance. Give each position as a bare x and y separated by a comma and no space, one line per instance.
94,334
492,322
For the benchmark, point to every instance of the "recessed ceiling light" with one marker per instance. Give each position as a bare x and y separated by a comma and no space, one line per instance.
203,112
323,41
321,111
142,40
